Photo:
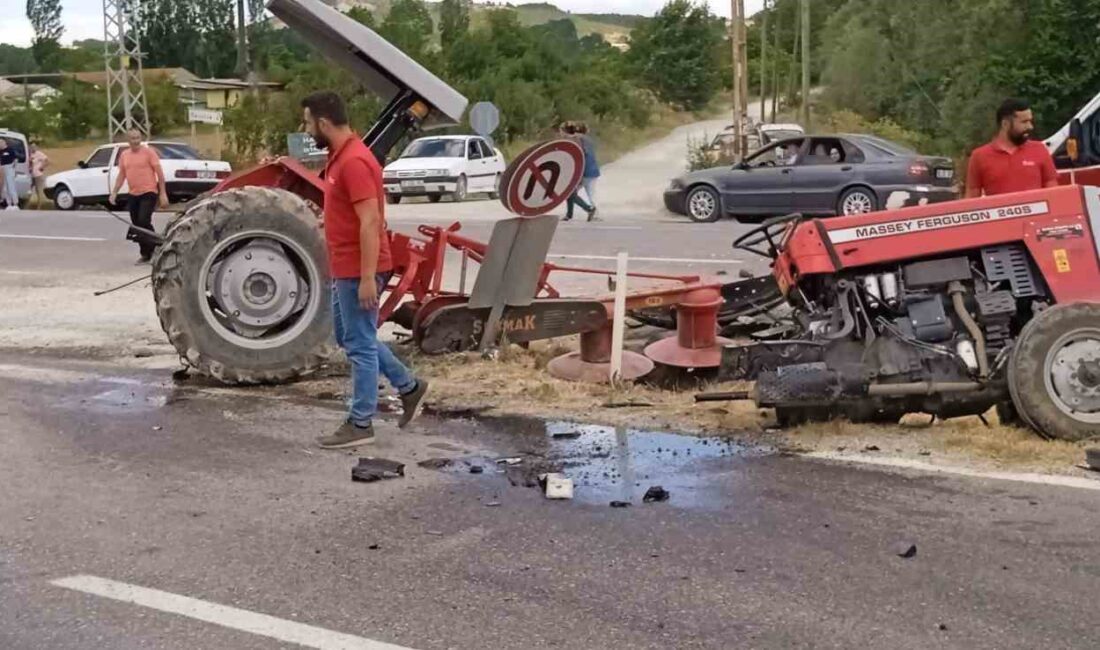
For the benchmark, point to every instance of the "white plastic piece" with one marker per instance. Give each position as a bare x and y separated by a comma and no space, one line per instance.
965,348
889,283
558,486
870,285
618,324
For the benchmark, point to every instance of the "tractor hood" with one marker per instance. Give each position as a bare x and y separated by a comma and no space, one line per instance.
372,60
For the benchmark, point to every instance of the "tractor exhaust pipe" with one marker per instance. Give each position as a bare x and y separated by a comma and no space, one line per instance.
956,290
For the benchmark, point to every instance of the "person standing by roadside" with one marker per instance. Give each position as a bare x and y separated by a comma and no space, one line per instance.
568,130
1012,162
8,192
139,165
361,267
591,168
39,163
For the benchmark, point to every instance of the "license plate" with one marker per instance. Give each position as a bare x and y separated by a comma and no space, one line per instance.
207,175
945,173
412,183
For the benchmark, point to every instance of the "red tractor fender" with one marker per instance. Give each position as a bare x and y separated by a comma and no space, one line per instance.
284,173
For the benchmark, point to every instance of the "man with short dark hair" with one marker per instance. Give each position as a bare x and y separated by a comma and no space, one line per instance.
139,167
361,266
1012,162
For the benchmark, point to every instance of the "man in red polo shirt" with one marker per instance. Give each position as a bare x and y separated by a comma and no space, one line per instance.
1012,162
361,266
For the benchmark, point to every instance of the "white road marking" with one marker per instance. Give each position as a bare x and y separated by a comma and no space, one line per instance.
51,237
230,617
904,463
669,260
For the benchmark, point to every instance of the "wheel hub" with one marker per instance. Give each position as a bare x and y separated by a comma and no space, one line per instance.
857,204
702,204
257,286
1074,372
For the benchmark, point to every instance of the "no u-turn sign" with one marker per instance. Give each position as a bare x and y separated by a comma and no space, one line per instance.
542,178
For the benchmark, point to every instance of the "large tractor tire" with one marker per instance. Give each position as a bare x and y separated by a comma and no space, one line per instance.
1054,372
242,287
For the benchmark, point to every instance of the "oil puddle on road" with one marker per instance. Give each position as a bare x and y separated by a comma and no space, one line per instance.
610,464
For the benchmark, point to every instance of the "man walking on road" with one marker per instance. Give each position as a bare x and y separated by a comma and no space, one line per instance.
591,168
8,191
361,266
39,163
139,166
568,130
1012,162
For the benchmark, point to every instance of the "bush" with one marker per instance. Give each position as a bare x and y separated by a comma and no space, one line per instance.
846,121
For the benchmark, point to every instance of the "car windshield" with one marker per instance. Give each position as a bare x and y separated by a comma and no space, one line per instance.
436,148
885,146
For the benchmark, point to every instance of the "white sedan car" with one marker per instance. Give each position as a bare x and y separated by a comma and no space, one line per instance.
452,165
186,175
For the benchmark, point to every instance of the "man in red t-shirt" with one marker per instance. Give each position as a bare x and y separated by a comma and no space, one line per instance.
361,266
1012,162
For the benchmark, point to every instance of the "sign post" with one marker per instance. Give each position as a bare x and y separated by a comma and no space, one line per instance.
539,180
197,115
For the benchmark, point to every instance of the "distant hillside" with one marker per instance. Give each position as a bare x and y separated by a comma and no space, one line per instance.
615,28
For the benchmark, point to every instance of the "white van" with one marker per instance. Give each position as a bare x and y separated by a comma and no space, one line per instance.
18,142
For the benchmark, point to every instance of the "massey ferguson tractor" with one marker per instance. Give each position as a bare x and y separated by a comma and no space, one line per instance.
946,309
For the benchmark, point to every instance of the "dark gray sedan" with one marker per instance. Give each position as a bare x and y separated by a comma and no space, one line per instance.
816,176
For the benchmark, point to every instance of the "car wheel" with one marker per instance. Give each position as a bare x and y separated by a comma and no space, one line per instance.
495,194
435,198
63,198
858,200
393,199
460,190
703,205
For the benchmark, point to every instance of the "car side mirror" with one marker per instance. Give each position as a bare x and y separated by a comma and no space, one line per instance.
82,164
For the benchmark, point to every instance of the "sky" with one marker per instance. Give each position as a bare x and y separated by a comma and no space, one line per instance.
84,18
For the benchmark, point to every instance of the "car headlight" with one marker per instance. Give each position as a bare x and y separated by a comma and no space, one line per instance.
439,172
676,184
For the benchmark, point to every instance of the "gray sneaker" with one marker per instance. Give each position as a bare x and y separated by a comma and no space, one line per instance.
413,403
348,435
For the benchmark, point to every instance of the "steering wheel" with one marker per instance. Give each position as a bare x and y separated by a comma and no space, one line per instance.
768,232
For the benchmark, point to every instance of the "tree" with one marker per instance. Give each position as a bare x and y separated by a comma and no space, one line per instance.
676,53
409,26
362,15
454,21
45,19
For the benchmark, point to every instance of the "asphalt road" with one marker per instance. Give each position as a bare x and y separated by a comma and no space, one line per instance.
138,513
114,474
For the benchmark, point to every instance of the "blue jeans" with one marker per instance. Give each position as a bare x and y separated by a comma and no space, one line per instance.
357,332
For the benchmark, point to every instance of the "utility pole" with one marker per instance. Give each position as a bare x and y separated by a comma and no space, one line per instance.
775,67
242,42
764,63
125,84
791,96
740,78
806,64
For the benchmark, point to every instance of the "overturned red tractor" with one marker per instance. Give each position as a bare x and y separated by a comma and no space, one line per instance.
948,309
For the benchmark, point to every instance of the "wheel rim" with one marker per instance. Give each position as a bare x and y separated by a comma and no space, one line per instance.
64,199
702,204
1072,374
857,203
259,290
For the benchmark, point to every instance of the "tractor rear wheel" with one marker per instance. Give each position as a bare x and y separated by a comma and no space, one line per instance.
242,288
1054,372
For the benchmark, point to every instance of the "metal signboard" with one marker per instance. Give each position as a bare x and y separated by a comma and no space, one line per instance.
542,178
204,116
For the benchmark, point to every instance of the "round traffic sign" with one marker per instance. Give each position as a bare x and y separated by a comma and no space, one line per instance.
542,178
484,118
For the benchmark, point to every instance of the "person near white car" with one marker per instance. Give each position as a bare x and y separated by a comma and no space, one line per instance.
39,163
8,158
139,166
